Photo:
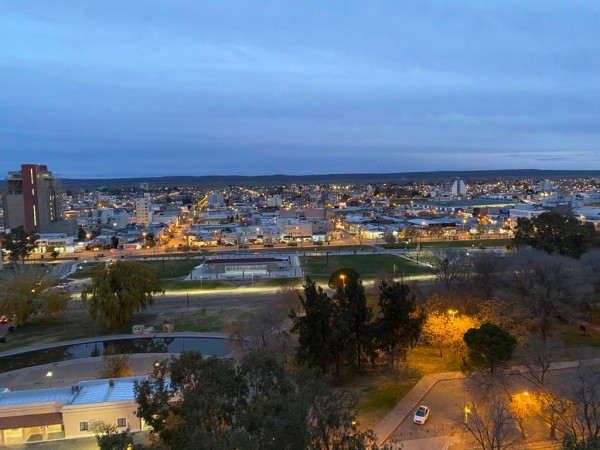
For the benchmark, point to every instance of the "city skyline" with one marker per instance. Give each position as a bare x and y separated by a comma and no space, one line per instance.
109,90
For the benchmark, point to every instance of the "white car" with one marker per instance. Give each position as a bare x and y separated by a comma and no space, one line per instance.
421,415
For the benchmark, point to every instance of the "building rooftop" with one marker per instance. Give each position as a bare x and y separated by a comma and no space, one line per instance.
106,390
8,398
85,392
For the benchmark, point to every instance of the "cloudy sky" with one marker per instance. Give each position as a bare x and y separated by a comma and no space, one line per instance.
119,88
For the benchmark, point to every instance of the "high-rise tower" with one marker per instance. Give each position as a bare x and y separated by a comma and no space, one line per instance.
33,199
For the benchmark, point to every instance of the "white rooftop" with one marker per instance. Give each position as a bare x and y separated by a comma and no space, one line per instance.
85,392
8,398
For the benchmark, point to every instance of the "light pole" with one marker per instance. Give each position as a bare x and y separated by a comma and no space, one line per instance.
467,410
49,376
452,313
343,277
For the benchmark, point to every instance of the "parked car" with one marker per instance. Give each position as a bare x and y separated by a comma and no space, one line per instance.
6,319
421,415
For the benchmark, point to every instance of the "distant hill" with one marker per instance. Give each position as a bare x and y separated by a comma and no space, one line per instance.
352,178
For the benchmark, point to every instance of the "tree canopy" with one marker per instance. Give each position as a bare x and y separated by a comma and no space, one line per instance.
341,329
315,334
27,295
399,324
489,345
19,243
556,233
119,289
193,402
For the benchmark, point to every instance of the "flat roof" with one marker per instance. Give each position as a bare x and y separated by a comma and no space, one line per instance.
85,392
99,391
242,260
8,398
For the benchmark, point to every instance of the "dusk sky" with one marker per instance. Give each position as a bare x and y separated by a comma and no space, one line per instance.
98,89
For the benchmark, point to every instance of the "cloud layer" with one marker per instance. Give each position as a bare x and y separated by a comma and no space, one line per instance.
112,88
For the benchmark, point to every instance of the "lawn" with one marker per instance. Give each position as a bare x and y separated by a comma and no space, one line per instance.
209,320
84,270
377,394
478,243
368,266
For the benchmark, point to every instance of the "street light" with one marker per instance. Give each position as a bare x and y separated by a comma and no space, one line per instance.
49,376
420,244
343,277
467,410
452,313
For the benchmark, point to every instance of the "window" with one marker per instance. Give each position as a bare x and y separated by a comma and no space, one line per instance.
121,422
84,426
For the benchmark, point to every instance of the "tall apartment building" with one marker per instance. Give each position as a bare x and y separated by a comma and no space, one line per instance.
33,199
143,210
459,188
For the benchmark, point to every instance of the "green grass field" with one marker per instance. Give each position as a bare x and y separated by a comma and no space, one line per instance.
368,266
478,243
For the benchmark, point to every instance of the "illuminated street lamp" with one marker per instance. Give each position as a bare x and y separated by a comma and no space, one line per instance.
343,277
452,313
419,245
49,376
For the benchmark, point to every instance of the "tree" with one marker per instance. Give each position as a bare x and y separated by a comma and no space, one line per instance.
399,324
522,405
201,403
513,317
314,328
491,424
555,233
539,355
108,438
81,234
119,289
290,297
352,310
447,330
450,265
210,403
264,329
19,243
27,295
115,366
485,268
570,442
582,420
548,286
489,345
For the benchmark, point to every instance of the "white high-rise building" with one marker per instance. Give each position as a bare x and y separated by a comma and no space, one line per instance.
545,186
215,200
459,189
143,210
